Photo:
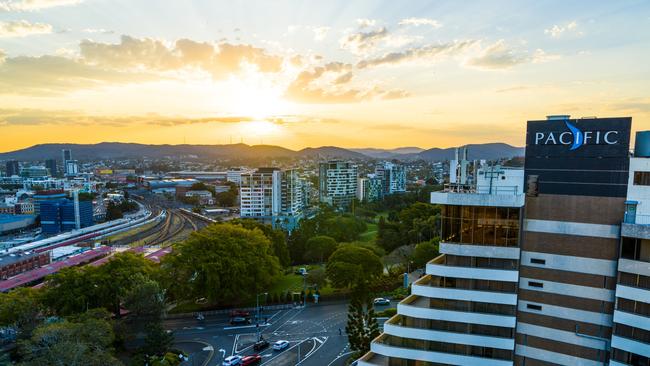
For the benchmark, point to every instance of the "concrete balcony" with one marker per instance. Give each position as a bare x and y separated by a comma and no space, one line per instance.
486,251
423,287
473,273
630,345
478,199
418,307
632,266
379,347
394,327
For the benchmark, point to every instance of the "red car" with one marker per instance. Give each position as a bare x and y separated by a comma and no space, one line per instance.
239,313
251,360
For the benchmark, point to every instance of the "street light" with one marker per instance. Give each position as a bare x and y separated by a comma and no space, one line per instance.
257,321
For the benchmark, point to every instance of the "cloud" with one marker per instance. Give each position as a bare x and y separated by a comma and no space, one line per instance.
556,31
364,22
320,33
363,42
421,21
500,55
98,30
312,86
424,53
219,60
57,74
23,28
31,5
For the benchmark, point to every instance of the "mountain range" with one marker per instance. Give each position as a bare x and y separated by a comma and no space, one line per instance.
119,150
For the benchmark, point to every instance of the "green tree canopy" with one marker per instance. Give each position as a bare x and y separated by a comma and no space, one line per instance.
277,237
223,262
20,308
84,340
353,266
319,248
425,251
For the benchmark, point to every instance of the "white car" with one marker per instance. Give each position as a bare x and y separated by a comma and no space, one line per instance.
232,360
381,301
280,345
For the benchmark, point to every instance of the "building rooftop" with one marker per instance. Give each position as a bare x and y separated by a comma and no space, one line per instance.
5,218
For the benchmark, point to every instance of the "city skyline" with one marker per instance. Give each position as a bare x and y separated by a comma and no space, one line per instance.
368,74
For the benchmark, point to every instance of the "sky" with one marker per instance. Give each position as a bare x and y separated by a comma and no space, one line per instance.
297,74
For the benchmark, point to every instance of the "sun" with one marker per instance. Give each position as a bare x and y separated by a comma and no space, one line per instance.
256,97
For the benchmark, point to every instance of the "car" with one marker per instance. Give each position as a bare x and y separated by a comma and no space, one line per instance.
381,301
232,360
301,271
240,313
240,320
261,344
251,360
280,345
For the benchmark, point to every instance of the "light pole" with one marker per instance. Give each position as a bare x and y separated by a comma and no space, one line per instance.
257,320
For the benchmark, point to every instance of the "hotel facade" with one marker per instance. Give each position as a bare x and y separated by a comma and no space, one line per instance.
551,269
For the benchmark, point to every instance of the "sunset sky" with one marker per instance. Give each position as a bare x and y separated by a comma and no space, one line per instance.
313,73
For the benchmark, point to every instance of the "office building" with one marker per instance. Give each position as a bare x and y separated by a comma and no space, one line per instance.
393,177
572,287
34,171
12,168
51,166
338,183
62,215
272,196
44,196
66,155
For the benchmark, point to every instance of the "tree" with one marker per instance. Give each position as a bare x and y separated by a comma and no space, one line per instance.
146,299
83,340
21,308
277,237
319,247
362,326
157,340
113,212
225,263
352,266
317,277
227,198
343,228
424,252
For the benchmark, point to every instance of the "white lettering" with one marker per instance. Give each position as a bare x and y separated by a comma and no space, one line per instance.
561,137
607,140
597,137
550,138
538,137
587,136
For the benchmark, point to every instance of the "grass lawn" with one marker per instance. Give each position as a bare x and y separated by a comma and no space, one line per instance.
370,234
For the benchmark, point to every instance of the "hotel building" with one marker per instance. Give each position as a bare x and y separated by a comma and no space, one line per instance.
557,274
338,182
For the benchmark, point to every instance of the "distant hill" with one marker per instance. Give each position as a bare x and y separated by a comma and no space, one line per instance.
489,151
388,153
119,150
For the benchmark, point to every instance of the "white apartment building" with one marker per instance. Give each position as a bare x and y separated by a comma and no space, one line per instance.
338,182
273,196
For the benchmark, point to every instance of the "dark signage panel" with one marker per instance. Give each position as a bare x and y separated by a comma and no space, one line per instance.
588,157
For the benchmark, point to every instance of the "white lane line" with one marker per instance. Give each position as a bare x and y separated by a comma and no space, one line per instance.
285,351
343,355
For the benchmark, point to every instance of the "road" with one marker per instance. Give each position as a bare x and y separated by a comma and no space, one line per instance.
312,332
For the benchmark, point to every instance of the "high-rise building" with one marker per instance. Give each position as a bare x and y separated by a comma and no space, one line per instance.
60,215
338,183
576,173
393,177
12,168
463,311
71,168
546,277
43,196
66,154
630,339
370,189
51,165
272,196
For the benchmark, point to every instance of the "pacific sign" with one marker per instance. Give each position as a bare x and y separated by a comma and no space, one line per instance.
576,138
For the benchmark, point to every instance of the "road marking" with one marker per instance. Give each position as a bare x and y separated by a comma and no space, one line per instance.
247,326
208,347
343,355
